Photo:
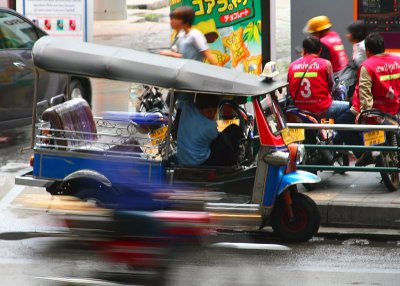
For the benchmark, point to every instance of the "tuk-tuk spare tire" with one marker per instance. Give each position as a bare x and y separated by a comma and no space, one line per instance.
306,218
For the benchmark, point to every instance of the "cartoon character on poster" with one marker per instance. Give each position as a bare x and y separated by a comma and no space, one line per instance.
47,24
60,25
232,29
72,25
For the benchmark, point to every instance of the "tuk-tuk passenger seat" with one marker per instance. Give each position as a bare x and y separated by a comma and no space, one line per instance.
75,117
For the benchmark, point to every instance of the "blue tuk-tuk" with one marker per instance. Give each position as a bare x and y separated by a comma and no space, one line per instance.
111,160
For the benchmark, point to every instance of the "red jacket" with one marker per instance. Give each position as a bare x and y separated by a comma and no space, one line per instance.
313,93
384,71
336,49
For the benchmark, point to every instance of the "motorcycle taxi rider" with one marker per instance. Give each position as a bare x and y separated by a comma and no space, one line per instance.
311,80
332,45
378,87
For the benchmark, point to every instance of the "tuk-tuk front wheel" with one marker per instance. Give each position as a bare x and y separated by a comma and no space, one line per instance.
302,225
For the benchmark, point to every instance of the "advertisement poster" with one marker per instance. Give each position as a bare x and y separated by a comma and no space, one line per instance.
65,18
232,29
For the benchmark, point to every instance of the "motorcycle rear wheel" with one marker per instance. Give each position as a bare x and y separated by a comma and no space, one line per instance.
391,180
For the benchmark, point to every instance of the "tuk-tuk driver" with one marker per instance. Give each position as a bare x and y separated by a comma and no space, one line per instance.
199,142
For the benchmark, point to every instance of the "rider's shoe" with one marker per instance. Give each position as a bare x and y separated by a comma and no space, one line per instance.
365,159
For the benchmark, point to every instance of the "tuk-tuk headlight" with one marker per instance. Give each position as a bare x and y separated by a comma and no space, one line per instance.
301,151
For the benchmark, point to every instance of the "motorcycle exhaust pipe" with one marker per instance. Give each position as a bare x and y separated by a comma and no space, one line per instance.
238,217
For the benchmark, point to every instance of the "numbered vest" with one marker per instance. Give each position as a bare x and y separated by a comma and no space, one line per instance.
384,71
312,90
338,58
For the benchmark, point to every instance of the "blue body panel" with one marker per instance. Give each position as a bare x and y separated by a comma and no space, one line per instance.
273,180
119,170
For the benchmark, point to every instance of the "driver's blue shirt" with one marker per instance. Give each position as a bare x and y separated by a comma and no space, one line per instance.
195,134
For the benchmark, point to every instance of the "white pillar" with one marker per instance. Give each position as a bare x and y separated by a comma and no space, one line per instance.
110,10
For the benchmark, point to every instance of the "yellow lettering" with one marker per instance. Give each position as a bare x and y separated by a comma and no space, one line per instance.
223,5
200,4
210,5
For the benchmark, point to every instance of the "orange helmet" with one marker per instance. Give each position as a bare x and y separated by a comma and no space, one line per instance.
317,24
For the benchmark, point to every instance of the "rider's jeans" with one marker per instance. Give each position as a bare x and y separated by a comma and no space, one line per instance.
336,109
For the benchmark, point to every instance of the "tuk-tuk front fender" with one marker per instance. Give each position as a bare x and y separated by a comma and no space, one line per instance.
297,177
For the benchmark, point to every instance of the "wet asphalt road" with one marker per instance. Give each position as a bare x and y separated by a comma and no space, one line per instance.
318,262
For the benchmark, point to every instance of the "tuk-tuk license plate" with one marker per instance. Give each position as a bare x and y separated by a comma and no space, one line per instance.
222,124
158,135
291,135
375,137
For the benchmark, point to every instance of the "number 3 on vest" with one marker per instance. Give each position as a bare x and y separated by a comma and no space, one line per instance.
305,88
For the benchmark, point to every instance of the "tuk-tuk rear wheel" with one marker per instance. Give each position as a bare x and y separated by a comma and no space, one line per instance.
305,222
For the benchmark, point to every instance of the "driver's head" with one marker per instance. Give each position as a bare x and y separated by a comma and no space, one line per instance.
207,104
374,44
312,45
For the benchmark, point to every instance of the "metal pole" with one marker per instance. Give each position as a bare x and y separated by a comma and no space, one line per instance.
34,108
170,123
350,147
348,127
68,88
348,168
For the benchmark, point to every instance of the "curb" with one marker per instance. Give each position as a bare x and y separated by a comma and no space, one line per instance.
355,215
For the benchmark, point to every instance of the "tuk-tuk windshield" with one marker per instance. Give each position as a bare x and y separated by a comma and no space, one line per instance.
273,114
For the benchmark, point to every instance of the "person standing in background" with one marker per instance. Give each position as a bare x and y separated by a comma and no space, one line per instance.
357,31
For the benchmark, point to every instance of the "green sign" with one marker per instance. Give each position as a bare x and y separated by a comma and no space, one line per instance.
232,29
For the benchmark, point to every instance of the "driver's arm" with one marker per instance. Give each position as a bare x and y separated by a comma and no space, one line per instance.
365,87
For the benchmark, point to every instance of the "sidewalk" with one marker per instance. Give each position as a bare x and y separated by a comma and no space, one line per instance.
349,200
356,199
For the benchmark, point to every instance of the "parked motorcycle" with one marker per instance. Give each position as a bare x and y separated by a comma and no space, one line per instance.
317,137
150,100
384,158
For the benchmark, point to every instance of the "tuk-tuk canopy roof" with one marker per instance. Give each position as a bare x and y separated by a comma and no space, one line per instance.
100,61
